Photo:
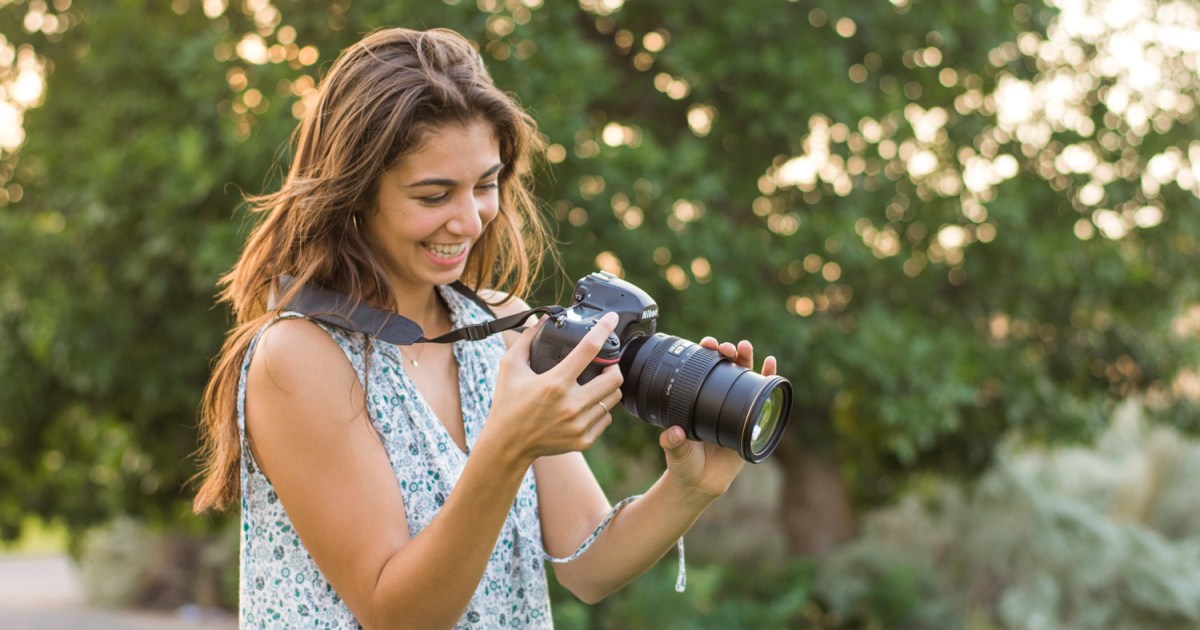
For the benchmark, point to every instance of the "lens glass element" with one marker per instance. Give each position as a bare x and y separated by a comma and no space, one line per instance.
764,424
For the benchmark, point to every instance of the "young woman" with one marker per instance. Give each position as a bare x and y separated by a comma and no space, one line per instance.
419,486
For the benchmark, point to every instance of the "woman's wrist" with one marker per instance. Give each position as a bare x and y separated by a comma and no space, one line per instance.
503,453
685,495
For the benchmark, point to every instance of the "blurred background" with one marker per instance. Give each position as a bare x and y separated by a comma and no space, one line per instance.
968,231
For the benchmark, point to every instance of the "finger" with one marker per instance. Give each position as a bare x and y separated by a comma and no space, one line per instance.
728,350
573,364
599,388
519,351
745,354
606,398
596,430
612,400
520,348
770,367
596,413
708,342
597,417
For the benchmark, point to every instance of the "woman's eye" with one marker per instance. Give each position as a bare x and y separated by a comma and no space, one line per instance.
435,200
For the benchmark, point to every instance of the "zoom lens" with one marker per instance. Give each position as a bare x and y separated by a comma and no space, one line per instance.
670,381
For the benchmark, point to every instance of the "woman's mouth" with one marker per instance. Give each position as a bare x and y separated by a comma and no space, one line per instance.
446,252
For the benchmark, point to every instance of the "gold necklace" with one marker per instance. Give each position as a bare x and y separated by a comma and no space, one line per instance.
411,359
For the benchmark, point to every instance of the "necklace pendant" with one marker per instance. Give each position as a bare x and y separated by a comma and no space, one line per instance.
414,362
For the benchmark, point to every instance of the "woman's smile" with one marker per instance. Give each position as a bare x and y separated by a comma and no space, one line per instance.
446,253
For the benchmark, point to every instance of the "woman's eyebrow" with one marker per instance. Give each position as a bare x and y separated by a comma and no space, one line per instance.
438,181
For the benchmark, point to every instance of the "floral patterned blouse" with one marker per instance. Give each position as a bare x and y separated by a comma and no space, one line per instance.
281,586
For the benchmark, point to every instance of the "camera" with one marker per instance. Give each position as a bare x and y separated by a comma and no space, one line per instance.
668,380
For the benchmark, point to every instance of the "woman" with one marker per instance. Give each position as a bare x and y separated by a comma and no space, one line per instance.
419,486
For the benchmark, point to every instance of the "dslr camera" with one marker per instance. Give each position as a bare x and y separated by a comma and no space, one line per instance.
668,380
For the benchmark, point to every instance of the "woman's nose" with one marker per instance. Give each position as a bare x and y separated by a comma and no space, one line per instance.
468,219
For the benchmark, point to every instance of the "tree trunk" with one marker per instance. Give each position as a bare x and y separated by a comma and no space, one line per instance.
816,511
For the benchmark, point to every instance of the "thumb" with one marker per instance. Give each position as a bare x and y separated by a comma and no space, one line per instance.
520,348
675,444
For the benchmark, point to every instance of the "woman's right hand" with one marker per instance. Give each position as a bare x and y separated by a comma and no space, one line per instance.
551,413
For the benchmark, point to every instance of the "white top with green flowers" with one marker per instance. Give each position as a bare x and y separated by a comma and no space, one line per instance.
281,586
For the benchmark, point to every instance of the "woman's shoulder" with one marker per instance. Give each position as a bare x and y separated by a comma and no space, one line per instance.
297,380
297,352
502,303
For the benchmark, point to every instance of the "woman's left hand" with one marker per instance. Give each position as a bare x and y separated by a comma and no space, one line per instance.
704,467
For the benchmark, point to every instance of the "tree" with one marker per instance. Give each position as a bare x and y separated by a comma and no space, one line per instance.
949,224
129,175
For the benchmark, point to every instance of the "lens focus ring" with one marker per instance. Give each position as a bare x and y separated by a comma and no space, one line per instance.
688,378
644,385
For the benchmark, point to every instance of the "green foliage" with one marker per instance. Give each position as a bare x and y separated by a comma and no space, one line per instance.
760,594
1100,537
880,587
107,321
796,173
38,537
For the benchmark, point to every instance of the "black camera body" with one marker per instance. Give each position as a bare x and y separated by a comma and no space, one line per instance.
669,381
596,294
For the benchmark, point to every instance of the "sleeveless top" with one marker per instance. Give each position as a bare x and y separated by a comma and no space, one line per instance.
281,585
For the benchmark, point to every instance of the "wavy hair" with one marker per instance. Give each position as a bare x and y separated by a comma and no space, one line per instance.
379,100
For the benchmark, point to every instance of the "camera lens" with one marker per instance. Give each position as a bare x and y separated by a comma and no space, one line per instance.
670,381
765,421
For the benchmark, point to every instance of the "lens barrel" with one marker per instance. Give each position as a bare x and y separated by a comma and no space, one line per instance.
671,381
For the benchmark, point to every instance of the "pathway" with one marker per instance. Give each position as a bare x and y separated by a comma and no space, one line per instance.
42,592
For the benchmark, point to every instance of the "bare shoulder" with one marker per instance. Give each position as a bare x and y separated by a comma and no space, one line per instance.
503,303
296,353
298,369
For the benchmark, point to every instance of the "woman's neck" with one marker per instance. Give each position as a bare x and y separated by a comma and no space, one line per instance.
426,309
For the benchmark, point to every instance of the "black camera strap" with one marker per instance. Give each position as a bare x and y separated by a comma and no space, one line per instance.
343,311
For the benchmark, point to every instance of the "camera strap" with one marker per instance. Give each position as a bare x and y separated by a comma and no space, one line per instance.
343,311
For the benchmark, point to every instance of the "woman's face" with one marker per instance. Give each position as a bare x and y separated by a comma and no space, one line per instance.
434,204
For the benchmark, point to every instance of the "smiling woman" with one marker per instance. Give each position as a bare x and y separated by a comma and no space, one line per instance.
408,175
382,492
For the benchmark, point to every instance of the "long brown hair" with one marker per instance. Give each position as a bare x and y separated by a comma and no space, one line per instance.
379,100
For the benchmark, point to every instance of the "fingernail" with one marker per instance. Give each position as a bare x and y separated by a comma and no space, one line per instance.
610,318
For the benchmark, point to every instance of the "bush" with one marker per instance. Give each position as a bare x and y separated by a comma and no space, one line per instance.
1100,537
125,564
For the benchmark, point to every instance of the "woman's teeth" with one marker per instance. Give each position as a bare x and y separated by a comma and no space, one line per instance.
446,251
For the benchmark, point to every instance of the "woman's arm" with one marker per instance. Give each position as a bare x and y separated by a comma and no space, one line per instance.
310,434
571,502
572,505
